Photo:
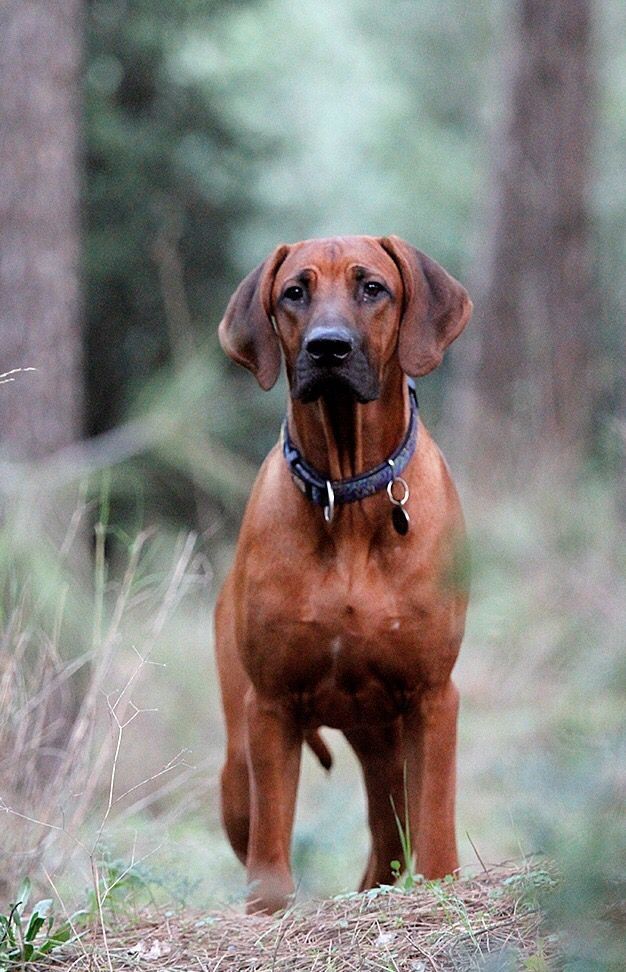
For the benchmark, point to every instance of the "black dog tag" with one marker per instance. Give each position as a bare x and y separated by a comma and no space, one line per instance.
400,520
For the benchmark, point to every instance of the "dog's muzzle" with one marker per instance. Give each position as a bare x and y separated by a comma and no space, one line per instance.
332,356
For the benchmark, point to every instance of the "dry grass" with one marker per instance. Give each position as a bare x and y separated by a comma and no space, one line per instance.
438,926
61,756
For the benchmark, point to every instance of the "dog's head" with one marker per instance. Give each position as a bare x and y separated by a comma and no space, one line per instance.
342,309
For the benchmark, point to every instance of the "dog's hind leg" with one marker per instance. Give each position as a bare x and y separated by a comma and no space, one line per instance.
234,685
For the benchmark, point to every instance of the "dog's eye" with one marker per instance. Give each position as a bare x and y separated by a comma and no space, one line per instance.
294,293
373,289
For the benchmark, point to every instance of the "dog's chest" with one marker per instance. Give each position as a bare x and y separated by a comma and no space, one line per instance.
345,645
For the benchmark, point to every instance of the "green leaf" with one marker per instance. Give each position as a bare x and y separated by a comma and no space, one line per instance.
43,907
62,934
23,894
34,926
9,932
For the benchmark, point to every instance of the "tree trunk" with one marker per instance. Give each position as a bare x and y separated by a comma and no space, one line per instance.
40,312
533,351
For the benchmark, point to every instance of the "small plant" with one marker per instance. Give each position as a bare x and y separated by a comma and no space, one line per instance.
26,938
124,888
398,868
531,885
536,963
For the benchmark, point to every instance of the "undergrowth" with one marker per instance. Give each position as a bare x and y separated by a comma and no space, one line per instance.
105,685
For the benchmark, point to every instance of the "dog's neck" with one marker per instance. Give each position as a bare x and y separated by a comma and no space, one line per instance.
341,438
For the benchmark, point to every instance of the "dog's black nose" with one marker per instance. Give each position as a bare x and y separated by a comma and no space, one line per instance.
329,345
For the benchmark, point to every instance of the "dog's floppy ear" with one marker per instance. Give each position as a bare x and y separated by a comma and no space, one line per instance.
436,308
245,332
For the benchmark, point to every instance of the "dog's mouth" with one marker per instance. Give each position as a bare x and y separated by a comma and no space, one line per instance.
355,376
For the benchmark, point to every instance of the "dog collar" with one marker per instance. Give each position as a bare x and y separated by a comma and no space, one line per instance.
328,493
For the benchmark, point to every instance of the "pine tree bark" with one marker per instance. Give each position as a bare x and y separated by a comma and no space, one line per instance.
40,304
533,351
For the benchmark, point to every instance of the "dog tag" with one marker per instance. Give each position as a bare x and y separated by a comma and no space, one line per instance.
400,520
399,516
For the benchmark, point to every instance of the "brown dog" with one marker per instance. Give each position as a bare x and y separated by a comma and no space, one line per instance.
338,611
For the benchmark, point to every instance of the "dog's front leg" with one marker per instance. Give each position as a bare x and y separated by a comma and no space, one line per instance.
274,747
431,733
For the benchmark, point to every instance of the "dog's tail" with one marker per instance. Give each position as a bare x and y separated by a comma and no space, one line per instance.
320,748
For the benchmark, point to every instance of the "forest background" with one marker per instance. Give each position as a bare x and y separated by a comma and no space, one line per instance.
150,155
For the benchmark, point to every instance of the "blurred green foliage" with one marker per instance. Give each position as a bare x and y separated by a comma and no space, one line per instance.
168,169
217,129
